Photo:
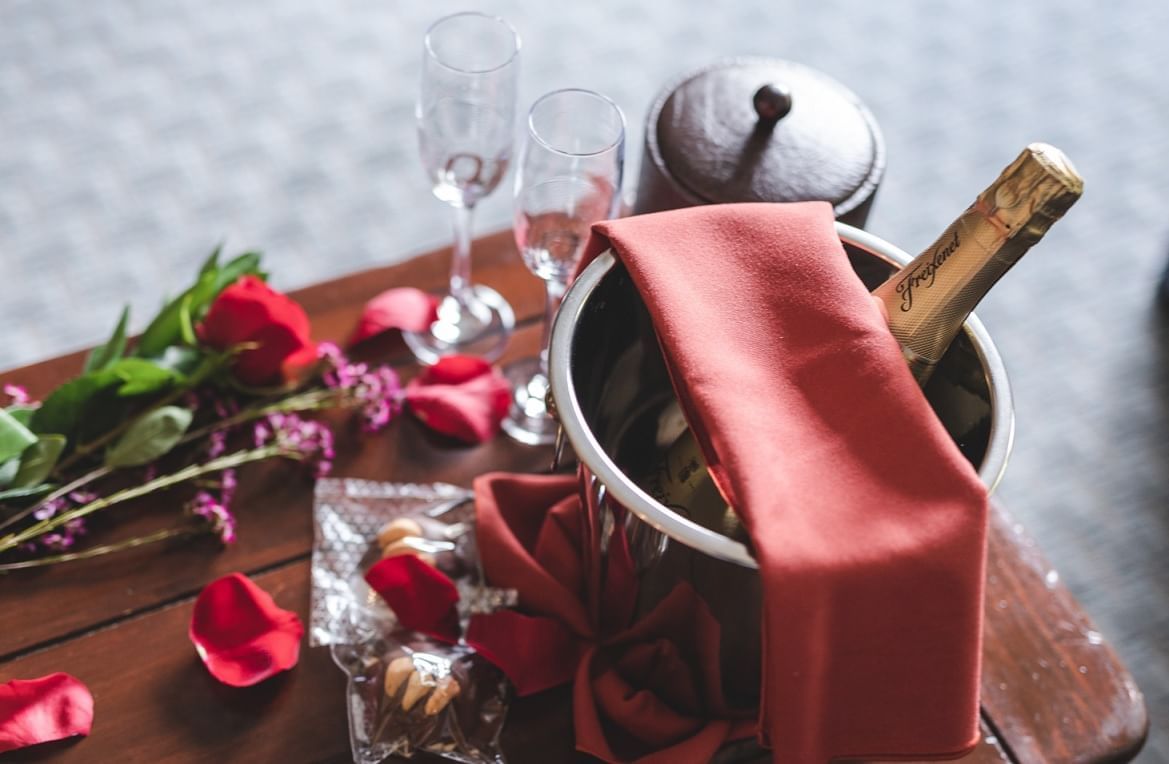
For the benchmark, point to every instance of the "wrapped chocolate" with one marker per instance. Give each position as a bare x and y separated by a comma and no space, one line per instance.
409,693
396,576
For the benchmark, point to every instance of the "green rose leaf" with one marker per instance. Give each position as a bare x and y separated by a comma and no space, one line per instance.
38,461
63,409
243,265
142,377
89,405
150,437
183,360
22,414
27,493
14,436
8,472
211,264
105,355
187,324
167,327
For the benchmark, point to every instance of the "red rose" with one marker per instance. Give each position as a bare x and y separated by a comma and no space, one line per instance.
251,311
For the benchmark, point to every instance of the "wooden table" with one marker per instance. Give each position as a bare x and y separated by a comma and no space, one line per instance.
1053,690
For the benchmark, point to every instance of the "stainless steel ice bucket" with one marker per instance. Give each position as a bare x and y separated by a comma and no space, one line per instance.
610,384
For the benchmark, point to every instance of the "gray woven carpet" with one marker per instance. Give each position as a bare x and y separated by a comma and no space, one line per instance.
135,135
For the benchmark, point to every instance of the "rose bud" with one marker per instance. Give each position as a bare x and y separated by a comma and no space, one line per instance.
250,311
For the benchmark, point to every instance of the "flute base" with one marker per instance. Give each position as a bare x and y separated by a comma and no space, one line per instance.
529,421
480,324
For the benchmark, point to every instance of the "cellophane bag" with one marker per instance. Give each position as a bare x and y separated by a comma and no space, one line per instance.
406,692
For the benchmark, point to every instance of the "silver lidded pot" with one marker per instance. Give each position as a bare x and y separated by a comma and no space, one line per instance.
760,130
610,385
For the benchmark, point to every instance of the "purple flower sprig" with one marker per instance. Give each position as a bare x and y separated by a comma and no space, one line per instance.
295,439
64,538
305,440
17,395
215,510
278,430
376,392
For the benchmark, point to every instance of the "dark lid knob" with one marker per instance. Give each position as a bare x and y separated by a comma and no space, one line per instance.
772,102
722,137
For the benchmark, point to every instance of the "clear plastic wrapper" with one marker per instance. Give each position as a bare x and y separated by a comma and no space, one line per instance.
406,692
409,693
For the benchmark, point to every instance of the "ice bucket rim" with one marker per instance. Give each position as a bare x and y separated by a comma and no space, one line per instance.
627,493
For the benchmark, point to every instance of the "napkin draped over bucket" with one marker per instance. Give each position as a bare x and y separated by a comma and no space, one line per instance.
868,523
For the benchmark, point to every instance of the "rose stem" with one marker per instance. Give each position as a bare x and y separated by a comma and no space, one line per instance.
67,489
100,550
187,473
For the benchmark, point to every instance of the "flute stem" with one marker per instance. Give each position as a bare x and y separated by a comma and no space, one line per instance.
461,256
553,295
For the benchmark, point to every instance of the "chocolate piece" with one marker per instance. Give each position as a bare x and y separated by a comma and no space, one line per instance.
398,529
417,687
398,672
404,546
448,688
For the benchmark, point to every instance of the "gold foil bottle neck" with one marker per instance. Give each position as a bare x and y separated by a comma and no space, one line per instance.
1031,193
929,299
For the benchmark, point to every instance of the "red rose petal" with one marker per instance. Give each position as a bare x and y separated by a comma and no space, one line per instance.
461,396
404,308
455,370
240,633
422,597
34,711
300,361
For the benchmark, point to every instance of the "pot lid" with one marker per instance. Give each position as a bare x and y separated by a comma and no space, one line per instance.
766,130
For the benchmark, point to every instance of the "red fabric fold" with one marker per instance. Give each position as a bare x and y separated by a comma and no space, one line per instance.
535,653
646,693
531,539
653,693
869,525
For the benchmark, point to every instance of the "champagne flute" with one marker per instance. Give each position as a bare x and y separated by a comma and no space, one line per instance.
569,177
466,126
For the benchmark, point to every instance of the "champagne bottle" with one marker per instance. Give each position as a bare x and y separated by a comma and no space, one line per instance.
926,302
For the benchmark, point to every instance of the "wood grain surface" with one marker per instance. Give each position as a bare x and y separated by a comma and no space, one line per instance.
1053,690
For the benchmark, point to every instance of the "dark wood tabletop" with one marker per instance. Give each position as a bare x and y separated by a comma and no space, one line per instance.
1053,690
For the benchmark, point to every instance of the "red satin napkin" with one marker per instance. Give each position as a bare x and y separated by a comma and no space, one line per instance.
649,692
869,525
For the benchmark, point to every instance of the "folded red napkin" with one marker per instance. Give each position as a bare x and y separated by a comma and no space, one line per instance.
868,523
649,692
